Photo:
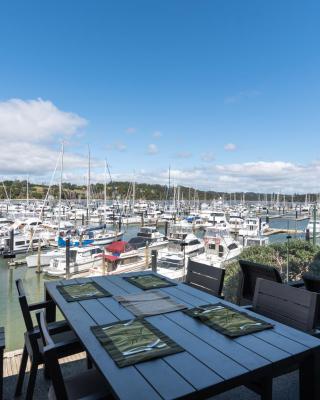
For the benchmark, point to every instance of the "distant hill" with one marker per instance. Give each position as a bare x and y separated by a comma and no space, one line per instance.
17,189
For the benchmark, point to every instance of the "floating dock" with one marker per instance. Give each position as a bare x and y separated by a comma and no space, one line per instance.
276,231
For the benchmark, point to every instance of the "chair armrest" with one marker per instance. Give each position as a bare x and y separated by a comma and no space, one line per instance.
38,306
58,327
297,284
68,347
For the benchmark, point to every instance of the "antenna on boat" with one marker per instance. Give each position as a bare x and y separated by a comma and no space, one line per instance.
105,191
60,187
88,182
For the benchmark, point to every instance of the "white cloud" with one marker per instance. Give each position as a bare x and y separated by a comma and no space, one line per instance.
246,94
118,146
130,130
152,149
262,176
36,120
207,156
183,154
230,147
157,134
32,131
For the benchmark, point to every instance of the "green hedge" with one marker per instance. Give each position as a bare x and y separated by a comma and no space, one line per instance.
303,256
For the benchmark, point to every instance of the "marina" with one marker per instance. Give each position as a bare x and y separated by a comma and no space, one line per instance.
12,269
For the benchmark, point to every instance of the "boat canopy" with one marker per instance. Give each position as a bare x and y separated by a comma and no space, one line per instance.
117,247
111,258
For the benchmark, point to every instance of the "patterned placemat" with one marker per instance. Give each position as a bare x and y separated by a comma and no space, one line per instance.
134,341
150,302
82,291
149,281
226,320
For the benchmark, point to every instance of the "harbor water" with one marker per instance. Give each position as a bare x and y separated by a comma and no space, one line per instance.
10,313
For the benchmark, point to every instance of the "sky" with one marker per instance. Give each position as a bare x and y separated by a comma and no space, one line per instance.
225,92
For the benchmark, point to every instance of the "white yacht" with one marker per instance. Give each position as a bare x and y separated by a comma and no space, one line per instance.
81,260
45,258
119,257
256,241
235,223
220,248
148,236
311,225
22,243
177,253
253,226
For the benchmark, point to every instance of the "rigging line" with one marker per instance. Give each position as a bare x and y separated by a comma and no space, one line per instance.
46,197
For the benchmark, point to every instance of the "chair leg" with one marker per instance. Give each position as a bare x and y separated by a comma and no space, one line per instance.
89,362
263,388
32,381
22,371
267,390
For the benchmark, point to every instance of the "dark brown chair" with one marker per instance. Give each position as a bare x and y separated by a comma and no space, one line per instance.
286,304
2,346
87,385
205,277
250,272
33,344
311,282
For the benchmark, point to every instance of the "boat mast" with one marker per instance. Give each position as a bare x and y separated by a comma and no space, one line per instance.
89,181
133,192
105,191
27,190
60,187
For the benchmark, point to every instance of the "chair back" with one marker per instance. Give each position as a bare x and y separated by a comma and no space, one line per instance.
251,271
286,304
51,358
24,305
205,277
311,282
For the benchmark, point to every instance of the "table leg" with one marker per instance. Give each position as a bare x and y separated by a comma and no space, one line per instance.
51,309
309,377
1,373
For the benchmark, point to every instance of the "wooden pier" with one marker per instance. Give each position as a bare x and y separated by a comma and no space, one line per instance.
276,231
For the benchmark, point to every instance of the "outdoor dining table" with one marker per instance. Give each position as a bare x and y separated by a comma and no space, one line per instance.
211,363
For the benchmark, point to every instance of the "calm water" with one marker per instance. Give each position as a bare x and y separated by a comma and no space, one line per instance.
10,314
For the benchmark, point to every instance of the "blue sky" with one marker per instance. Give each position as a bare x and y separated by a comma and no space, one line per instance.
226,92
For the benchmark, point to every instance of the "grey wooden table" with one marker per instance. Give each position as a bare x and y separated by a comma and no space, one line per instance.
211,364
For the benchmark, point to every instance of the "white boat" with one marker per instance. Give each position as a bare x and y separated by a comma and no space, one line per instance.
45,258
235,223
256,241
220,249
119,257
22,243
253,226
178,252
311,225
105,237
81,260
148,236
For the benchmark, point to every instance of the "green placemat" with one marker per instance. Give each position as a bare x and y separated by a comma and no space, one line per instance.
134,341
82,291
149,281
226,320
